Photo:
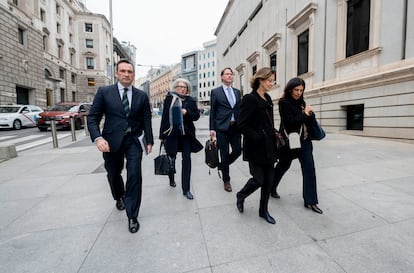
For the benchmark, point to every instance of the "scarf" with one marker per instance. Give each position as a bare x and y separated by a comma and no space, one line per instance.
175,114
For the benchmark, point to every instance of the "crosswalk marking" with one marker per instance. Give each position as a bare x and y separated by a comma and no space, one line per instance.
20,139
38,142
6,137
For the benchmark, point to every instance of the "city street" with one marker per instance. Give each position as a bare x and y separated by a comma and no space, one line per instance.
57,214
27,138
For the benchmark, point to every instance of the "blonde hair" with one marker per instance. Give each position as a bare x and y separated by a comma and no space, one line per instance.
262,74
182,80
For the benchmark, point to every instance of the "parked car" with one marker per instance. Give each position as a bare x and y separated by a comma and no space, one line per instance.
61,114
18,116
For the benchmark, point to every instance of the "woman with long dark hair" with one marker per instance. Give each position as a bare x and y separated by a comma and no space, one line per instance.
295,117
259,142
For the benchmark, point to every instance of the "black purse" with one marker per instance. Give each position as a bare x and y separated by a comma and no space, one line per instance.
211,153
315,130
163,164
280,141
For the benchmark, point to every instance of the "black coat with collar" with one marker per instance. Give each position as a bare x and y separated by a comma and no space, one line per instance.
292,115
172,143
108,103
257,126
221,110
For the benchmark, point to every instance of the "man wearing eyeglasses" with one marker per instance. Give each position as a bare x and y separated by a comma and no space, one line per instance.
224,114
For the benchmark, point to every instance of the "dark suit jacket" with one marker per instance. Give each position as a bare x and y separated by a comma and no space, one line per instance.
220,109
108,102
257,126
172,144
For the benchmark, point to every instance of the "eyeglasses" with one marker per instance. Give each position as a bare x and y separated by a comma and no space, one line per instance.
181,86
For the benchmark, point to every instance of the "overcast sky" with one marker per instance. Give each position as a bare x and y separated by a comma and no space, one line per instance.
162,30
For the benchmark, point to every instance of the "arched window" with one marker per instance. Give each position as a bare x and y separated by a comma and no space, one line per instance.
47,74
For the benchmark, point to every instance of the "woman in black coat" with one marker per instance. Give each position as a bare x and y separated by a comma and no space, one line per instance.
259,142
177,130
296,116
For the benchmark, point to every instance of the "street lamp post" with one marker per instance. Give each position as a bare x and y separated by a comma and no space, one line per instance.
111,42
149,65
153,101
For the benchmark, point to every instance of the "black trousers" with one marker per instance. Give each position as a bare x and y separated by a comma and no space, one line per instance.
262,177
225,140
114,163
185,143
307,164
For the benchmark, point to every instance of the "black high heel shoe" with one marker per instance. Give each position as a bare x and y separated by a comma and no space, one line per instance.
314,208
240,203
267,217
275,195
172,182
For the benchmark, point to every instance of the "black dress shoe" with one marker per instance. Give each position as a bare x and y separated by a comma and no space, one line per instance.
172,183
133,225
188,195
268,218
120,204
240,203
275,195
314,208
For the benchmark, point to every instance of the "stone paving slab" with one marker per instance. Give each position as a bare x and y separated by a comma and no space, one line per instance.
57,214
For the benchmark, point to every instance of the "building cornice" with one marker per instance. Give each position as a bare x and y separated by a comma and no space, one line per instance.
392,76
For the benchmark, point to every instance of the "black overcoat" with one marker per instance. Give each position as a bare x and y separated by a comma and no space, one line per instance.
257,126
172,140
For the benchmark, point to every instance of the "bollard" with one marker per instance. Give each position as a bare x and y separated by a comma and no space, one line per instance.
54,133
85,125
72,127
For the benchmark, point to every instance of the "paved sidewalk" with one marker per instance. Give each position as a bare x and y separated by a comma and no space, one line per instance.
57,215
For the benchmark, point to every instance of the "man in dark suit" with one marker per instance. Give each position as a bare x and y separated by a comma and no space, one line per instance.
127,116
224,114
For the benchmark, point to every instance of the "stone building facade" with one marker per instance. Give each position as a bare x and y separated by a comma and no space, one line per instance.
159,86
356,57
189,70
94,58
207,72
54,51
21,57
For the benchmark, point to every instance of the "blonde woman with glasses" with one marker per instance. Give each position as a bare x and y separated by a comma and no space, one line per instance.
177,130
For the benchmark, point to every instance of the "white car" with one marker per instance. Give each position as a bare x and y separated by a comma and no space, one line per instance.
18,116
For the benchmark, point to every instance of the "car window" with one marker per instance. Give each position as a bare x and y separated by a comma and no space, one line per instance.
24,109
9,109
85,107
60,108
35,109
74,109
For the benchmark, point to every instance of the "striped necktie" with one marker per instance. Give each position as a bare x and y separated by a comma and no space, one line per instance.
230,95
125,101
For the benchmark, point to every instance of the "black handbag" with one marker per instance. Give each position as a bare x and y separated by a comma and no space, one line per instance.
163,164
280,140
315,131
211,153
